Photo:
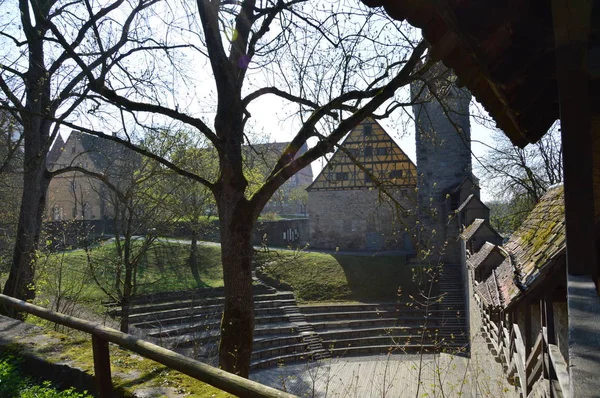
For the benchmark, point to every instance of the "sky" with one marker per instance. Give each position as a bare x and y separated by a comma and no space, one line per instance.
269,118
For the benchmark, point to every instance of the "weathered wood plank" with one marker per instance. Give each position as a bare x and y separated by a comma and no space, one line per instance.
102,367
560,369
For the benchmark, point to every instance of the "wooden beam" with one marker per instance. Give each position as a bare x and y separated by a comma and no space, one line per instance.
528,337
102,367
221,379
571,30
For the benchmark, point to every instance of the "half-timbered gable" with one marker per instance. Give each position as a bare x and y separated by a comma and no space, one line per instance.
366,158
365,197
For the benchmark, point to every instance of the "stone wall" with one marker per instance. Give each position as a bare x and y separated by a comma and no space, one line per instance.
443,142
361,219
281,233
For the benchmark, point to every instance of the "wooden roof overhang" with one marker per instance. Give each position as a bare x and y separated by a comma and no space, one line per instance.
502,51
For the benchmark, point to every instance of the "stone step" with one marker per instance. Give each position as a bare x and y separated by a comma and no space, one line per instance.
393,341
142,299
278,351
196,311
202,319
263,343
289,358
260,301
322,308
398,314
330,335
262,326
382,323
386,349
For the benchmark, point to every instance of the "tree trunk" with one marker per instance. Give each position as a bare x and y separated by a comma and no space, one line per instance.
20,283
193,260
127,284
237,324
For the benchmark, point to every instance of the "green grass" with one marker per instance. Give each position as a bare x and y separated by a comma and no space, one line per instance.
147,373
324,277
15,383
163,268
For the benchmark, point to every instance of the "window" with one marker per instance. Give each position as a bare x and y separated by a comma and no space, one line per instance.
73,185
368,151
73,149
381,151
341,176
367,130
367,176
396,174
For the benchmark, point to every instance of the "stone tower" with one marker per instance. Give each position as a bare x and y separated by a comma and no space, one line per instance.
443,143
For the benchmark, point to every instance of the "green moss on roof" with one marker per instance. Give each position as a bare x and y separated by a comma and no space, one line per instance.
542,234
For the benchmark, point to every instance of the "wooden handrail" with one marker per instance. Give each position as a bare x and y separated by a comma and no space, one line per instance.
101,334
535,352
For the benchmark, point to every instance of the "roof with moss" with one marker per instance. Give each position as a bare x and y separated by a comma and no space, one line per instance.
534,249
540,238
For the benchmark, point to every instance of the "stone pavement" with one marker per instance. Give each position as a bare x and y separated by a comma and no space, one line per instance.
442,375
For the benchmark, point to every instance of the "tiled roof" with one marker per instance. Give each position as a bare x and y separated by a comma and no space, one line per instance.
541,237
472,229
504,275
533,249
476,259
483,292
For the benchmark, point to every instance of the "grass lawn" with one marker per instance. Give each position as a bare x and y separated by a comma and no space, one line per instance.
315,277
162,268
326,277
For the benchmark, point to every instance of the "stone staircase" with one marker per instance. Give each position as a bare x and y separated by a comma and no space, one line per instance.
188,322
385,328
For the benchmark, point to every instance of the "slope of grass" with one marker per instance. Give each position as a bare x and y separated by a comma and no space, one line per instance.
326,277
75,274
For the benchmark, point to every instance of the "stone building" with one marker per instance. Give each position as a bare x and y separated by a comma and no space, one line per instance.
290,200
364,198
76,196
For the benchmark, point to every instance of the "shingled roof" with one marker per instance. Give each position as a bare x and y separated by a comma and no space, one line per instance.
535,249
541,237
476,259
472,229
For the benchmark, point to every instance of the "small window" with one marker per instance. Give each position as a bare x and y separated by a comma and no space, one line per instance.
368,151
396,174
368,177
73,186
367,130
381,151
404,193
73,149
341,176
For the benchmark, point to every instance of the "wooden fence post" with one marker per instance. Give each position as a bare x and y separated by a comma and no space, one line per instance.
102,367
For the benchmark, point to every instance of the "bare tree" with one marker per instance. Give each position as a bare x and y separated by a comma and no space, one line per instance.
333,62
325,84
519,177
42,87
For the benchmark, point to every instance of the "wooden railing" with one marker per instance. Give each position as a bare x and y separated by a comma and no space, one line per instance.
541,373
102,335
